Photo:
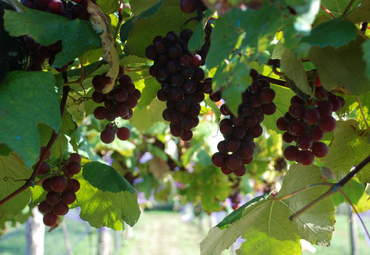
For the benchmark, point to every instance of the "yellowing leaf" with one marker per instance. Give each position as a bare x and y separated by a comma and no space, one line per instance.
110,53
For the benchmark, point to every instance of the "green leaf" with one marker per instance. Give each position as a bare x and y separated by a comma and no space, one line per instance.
138,6
4,150
337,7
265,223
47,28
366,49
225,36
68,125
149,92
294,70
28,97
361,13
13,173
158,20
282,102
341,68
108,6
335,32
348,148
152,113
354,191
197,39
60,143
106,198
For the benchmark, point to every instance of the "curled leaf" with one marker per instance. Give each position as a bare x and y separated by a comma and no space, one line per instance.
110,53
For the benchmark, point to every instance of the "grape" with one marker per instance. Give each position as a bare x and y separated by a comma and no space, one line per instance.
221,147
247,161
311,116
183,106
172,37
216,96
288,138
74,167
44,207
107,136
186,34
233,161
73,184
269,109
59,183
98,97
56,6
305,157
186,135
256,130
187,123
297,128
246,151
44,168
298,111
281,124
160,44
255,87
248,138
174,51
320,149
325,108
121,110
240,171
68,197
151,53
226,129
173,66
296,99
237,121
316,134
176,130
52,197
111,115
196,60
327,124
100,112
176,117
233,144
225,170
336,104
120,94
123,133
267,95
60,209
219,159
304,142
46,185
50,219
291,153
131,101
246,110
239,132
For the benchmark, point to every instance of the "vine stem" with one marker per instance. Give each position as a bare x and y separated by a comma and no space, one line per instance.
275,81
31,181
347,8
362,112
327,11
335,188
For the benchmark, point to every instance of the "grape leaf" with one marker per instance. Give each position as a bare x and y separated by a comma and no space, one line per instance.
47,28
106,198
337,7
361,13
30,97
157,20
68,125
108,6
335,32
265,223
366,49
342,67
348,148
138,6
197,39
294,70
153,114
282,102
60,143
149,92
12,171
225,36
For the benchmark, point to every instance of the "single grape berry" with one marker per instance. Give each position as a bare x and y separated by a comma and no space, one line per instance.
68,197
291,153
50,219
60,208
52,197
75,157
123,133
219,159
107,136
305,157
320,149
58,183
73,184
44,207
74,167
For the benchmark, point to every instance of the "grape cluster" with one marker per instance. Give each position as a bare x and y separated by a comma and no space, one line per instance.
179,73
61,191
306,123
119,102
39,53
239,132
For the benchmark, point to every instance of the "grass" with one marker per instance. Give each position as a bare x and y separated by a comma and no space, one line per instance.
156,233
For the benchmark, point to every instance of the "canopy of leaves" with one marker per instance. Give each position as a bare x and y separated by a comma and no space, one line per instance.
17,96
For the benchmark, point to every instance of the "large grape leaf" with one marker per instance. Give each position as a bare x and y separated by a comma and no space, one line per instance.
265,223
197,39
106,198
282,102
366,49
47,28
138,6
335,32
361,13
60,143
337,7
13,173
155,21
349,147
294,70
108,6
27,98
341,68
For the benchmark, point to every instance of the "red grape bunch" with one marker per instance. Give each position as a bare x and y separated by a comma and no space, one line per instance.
306,123
39,53
239,132
119,102
179,73
61,191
